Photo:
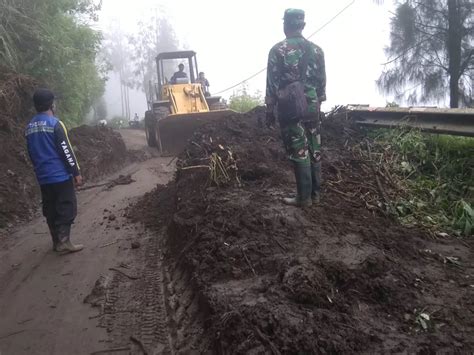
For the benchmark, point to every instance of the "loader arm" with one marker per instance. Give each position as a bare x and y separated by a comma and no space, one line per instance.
185,98
189,110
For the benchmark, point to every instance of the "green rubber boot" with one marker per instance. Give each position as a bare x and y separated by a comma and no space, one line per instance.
316,182
303,187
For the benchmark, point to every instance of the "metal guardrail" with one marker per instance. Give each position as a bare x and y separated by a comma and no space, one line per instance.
458,122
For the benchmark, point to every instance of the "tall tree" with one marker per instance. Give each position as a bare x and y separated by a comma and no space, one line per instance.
431,52
119,54
155,35
52,41
100,110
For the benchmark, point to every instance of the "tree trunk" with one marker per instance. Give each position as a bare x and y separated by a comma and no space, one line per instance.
454,51
127,90
125,102
121,93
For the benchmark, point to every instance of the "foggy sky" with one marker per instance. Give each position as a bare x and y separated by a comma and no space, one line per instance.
232,40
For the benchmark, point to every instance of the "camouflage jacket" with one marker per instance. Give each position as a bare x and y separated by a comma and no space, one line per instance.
283,69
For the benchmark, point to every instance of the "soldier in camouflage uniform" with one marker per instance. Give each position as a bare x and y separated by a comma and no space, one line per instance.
301,137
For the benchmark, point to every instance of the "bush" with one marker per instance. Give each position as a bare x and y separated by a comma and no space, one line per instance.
242,101
437,172
118,122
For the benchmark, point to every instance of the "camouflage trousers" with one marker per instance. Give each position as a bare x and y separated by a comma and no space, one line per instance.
302,141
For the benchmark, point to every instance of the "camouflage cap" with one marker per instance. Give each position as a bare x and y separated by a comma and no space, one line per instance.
294,17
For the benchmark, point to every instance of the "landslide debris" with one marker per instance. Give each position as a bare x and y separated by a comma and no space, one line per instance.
340,277
100,151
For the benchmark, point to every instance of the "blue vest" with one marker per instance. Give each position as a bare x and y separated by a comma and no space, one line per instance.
49,166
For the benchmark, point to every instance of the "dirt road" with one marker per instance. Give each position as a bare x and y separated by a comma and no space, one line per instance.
229,269
42,309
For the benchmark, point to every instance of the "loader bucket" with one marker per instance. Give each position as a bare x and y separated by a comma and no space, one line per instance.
176,130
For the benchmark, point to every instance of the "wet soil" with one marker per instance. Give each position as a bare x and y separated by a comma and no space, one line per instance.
247,274
45,298
100,151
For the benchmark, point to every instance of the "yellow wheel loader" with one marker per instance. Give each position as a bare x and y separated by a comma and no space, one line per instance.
178,107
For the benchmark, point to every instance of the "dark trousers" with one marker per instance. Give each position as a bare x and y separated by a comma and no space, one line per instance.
59,206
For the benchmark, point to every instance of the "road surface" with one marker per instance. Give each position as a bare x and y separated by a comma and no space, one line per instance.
42,309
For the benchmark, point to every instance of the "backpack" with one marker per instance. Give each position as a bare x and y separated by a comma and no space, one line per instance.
292,102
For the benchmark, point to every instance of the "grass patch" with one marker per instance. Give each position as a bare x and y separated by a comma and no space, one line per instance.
436,176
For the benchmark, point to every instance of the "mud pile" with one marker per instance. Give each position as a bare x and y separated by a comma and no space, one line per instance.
100,151
17,182
340,277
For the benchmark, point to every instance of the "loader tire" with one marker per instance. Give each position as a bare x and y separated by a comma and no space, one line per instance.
158,139
162,113
150,136
150,129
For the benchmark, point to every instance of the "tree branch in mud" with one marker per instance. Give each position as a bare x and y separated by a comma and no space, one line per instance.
248,262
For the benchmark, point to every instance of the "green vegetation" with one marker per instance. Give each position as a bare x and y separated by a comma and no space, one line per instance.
118,122
99,110
430,54
436,173
51,40
243,101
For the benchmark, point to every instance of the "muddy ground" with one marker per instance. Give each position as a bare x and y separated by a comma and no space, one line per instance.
100,151
246,274
45,298
222,266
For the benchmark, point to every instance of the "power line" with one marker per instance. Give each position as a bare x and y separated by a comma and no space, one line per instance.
311,35
333,18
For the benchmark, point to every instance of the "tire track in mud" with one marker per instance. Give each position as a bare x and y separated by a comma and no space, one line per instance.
134,310
154,325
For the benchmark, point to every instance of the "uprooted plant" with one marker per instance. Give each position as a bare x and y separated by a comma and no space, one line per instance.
220,162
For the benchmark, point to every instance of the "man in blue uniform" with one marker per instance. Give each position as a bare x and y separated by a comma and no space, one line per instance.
56,169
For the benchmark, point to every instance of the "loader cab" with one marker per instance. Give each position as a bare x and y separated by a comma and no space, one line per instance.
177,93
167,64
176,109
